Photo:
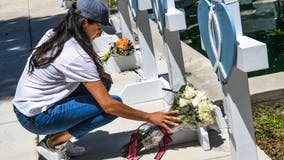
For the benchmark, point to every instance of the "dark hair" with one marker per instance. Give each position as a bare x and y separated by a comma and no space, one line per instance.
70,26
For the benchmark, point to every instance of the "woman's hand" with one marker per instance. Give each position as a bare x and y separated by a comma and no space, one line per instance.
164,119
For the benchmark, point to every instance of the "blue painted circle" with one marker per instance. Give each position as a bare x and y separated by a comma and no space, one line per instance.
159,10
228,36
134,8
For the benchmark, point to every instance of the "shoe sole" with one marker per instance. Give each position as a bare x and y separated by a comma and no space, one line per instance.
41,151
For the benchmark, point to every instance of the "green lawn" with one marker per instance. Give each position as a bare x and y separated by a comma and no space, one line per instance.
269,128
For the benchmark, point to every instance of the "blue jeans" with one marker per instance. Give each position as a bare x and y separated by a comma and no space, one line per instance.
79,113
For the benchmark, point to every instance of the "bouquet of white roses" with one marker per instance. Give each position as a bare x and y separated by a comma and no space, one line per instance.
194,106
122,47
195,109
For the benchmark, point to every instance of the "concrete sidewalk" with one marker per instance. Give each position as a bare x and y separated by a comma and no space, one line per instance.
22,23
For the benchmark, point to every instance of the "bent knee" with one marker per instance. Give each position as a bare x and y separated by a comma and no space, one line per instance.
111,117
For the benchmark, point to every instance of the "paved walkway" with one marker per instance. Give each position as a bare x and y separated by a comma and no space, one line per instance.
22,23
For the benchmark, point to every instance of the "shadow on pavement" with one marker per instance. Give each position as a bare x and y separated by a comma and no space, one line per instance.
17,37
215,138
102,145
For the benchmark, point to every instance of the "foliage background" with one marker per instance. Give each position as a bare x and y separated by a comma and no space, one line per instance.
269,128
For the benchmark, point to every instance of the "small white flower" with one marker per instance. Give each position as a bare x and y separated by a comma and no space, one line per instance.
205,112
205,106
196,100
200,96
183,102
189,92
206,118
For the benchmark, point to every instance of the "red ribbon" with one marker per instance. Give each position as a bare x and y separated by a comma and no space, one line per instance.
132,150
162,145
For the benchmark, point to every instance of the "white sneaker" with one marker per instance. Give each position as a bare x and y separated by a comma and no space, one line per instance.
59,153
73,150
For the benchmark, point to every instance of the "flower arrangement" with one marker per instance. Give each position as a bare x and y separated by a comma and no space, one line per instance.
122,47
195,109
194,106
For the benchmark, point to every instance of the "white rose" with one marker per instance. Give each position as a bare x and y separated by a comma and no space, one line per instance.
205,106
202,95
183,102
189,92
206,118
195,101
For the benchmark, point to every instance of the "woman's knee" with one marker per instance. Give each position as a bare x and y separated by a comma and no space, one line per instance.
110,117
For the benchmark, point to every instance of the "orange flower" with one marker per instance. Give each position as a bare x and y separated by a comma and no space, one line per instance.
122,44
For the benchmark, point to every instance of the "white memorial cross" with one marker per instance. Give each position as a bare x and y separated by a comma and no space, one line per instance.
148,63
150,85
239,54
251,56
126,28
170,21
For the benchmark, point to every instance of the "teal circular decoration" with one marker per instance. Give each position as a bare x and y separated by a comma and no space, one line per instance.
159,10
218,34
134,7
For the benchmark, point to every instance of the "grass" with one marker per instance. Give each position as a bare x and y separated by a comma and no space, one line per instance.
269,128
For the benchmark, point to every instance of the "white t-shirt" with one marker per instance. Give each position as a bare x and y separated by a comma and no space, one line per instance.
38,91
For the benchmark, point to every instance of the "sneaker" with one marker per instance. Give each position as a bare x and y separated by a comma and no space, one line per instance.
73,150
58,153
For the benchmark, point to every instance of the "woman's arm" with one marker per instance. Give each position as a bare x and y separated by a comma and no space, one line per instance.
112,106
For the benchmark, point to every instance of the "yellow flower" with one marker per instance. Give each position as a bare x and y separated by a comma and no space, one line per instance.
106,56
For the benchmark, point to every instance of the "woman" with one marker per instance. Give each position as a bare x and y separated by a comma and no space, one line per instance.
63,90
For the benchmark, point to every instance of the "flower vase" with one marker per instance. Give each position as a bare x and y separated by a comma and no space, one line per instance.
118,63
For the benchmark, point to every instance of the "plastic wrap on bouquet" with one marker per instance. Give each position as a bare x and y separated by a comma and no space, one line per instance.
149,136
118,63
